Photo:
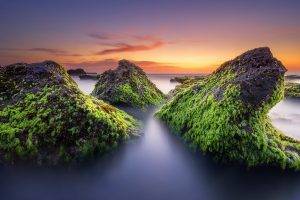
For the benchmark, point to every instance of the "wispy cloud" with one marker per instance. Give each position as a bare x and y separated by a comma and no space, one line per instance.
56,52
131,48
126,43
47,50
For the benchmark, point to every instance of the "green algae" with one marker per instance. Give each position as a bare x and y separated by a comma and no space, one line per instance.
292,89
226,127
127,85
54,122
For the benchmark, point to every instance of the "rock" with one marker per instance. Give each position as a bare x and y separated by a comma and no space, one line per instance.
89,77
46,119
292,90
182,79
127,85
226,115
292,77
76,72
184,85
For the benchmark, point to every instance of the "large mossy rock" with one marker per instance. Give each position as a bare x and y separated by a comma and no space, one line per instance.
46,119
225,115
127,85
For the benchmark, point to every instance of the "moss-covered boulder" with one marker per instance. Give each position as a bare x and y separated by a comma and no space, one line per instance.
46,119
127,85
292,90
225,115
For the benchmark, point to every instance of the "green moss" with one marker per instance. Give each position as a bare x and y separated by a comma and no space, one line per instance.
227,128
127,85
58,123
292,89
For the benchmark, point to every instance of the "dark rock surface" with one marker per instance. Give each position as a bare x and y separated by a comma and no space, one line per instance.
225,114
89,76
46,119
182,79
127,85
76,72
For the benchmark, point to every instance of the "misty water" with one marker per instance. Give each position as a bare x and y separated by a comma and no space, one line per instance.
157,165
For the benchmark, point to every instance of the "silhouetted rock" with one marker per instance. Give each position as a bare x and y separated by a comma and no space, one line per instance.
226,113
89,76
127,85
182,79
292,77
76,72
46,119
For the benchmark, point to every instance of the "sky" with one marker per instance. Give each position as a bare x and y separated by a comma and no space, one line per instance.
175,36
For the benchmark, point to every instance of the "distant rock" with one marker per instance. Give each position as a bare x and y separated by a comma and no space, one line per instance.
76,72
226,114
181,79
46,119
89,76
292,90
127,85
292,77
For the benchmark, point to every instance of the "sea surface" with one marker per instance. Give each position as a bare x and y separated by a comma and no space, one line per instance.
157,165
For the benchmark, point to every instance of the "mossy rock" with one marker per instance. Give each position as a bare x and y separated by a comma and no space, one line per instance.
225,115
127,85
46,119
292,90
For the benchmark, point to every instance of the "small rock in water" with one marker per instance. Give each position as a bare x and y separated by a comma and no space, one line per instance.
127,85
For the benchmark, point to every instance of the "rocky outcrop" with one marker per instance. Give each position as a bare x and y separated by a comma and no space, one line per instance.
292,77
226,114
292,89
182,79
76,72
127,85
46,119
89,77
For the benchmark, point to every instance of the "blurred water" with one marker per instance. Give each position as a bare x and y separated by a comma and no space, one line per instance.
158,165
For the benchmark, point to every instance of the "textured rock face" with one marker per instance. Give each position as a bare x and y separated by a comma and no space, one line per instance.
226,113
127,85
46,119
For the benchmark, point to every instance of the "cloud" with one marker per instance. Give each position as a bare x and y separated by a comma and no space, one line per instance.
46,50
102,36
56,52
126,42
131,48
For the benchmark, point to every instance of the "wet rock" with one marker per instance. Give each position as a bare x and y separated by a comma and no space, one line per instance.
46,119
226,116
127,85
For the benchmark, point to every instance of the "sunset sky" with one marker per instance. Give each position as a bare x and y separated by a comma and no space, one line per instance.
161,36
